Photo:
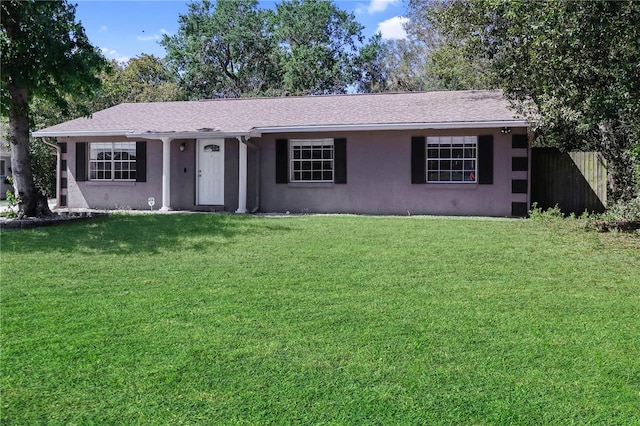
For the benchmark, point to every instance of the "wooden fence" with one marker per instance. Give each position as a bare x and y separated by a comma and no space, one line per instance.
575,181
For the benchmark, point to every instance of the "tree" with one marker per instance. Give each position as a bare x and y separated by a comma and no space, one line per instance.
144,78
147,79
570,67
431,59
370,67
222,50
404,67
45,53
319,47
232,48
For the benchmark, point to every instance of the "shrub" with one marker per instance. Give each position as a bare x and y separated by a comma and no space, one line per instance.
537,213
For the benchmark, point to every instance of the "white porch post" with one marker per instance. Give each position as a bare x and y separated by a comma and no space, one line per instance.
166,174
242,176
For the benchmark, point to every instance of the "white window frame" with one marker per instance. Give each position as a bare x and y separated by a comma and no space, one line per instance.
451,150
297,170
112,162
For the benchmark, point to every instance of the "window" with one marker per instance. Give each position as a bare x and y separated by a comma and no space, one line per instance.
2,168
452,159
112,161
312,160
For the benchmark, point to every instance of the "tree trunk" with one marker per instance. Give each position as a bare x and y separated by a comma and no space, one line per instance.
31,202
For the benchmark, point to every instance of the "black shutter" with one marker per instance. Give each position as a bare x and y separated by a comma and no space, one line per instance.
81,161
418,160
485,159
519,209
519,164
519,141
519,186
340,160
282,161
63,147
141,161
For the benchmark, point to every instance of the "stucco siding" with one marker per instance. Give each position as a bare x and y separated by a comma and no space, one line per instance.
378,174
379,179
135,195
113,195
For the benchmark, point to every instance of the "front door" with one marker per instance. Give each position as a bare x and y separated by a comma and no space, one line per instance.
210,172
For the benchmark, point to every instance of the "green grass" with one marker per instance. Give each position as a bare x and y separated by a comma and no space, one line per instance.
219,319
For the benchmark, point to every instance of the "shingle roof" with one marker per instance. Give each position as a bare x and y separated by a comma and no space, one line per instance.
246,114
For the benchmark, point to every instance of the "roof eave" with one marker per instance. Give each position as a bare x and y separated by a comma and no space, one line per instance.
144,135
79,133
258,131
191,135
393,126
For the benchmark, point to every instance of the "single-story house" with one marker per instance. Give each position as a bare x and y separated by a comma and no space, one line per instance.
441,153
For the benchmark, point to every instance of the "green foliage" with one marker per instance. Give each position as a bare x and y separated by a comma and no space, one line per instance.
230,320
146,78
47,52
623,216
538,214
12,201
43,164
45,55
430,59
317,46
369,65
626,210
404,64
222,49
234,48
570,67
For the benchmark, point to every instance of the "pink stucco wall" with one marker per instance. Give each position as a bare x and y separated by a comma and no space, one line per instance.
135,195
378,179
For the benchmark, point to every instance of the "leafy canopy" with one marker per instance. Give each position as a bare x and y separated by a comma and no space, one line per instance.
233,48
45,51
573,68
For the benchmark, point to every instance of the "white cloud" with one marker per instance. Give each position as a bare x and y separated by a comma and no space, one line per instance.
149,38
113,54
104,28
155,36
375,6
392,29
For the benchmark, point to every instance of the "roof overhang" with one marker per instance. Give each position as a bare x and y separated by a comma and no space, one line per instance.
258,131
80,133
142,135
393,126
188,135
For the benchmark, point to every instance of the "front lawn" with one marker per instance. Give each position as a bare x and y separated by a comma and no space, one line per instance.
220,319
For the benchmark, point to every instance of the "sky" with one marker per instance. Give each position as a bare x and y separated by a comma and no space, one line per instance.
126,29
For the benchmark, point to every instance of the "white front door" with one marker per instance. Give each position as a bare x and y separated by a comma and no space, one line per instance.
210,171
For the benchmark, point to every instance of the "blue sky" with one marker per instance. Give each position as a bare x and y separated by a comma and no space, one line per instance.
125,29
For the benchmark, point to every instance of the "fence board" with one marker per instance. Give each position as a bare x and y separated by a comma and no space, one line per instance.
575,181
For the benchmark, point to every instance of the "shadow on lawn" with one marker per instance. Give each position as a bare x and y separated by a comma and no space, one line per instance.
130,234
